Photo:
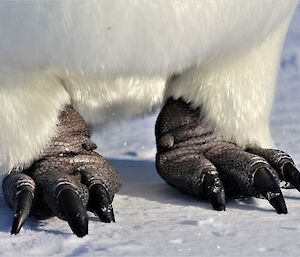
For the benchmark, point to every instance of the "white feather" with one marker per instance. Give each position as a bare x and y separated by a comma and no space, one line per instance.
30,105
112,58
236,94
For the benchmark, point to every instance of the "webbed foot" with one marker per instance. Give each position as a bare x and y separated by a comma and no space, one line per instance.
191,158
68,179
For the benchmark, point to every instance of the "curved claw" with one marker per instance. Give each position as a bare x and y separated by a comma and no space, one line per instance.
266,185
214,190
73,211
291,174
22,210
100,203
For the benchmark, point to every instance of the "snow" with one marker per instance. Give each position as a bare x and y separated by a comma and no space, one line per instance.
154,219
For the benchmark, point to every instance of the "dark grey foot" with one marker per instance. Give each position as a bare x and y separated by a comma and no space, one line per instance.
69,179
192,159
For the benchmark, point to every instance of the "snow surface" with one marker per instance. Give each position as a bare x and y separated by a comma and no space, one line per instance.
154,219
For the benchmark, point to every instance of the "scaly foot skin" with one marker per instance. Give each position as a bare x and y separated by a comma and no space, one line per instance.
192,159
68,179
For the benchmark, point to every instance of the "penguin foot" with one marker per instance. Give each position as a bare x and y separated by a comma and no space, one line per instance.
191,158
68,180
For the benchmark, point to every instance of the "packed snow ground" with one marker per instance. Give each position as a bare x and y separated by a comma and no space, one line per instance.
155,220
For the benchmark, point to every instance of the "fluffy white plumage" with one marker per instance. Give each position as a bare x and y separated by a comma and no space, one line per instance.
112,58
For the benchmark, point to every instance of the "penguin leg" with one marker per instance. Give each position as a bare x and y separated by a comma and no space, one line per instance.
69,179
191,158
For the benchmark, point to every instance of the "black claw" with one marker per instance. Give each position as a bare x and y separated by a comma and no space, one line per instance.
292,175
279,204
100,203
214,190
22,210
266,185
73,211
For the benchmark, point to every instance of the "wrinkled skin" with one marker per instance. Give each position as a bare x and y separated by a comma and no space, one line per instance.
191,158
68,179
